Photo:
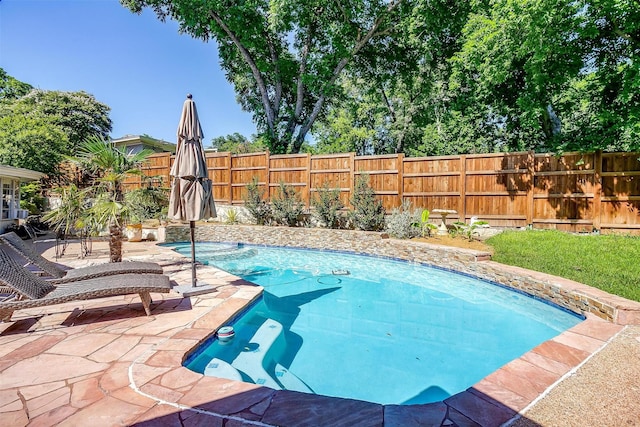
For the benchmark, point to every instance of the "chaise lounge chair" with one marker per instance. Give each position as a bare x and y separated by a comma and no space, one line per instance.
23,289
61,274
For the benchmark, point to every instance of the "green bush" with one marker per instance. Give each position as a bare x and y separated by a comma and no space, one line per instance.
254,202
368,212
146,203
31,198
287,206
327,207
424,225
402,222
466,230
232,216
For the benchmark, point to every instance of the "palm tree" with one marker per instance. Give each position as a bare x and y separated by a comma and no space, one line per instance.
112,166
70,213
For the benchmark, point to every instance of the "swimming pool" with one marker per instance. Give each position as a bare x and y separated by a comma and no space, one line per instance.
367,328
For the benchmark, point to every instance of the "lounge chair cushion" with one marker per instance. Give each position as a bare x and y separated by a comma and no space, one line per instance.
109,269
32,291
13,241
23,282
64,274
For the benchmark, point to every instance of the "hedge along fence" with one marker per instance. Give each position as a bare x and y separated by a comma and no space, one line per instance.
572,192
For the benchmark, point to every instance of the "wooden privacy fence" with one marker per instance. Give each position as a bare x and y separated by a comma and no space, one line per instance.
573,192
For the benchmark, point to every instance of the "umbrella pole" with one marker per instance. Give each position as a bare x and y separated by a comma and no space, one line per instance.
192,227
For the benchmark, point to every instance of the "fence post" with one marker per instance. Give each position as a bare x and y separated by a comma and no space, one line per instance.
400,168
597,189
462,205
309,181
267,174
531,187
352,174
229,186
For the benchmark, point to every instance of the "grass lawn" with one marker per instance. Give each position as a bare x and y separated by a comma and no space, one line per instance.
607,262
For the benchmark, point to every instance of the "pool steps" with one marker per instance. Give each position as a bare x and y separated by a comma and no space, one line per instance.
221,369
254,363
226,253
290,381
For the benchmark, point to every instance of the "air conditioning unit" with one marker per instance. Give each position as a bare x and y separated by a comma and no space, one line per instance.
22,213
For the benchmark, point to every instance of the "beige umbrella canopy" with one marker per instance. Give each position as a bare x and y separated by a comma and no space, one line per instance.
191,192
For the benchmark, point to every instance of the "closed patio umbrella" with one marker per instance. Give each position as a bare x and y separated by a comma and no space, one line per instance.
191,191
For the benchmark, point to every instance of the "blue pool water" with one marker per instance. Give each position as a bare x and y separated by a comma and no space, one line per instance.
367,328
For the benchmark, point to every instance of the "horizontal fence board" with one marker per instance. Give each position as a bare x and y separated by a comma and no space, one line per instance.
621,226
566,172
562,221
563,196
496,193
496,171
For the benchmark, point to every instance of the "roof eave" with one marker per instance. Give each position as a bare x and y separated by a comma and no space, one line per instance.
20,173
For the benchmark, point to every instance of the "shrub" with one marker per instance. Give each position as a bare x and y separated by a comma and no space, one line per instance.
327,207
146,203
31,198
424,225
468,231
258,208
232,216
368,212
403,223
288,207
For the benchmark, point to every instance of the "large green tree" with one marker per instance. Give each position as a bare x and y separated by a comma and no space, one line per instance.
237,143
11,88
428,77
38,128
284,57
78,114
30,143
551,75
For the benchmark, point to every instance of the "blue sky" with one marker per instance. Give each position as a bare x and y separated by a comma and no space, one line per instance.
138,66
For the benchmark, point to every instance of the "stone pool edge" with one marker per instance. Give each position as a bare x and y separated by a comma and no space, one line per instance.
571,295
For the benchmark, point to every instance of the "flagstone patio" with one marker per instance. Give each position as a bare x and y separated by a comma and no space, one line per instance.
103,363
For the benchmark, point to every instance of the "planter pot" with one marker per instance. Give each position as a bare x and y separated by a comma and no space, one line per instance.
134,232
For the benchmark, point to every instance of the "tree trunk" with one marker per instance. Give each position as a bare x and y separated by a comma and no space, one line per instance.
115,243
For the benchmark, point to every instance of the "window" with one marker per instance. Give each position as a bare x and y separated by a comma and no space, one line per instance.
9,200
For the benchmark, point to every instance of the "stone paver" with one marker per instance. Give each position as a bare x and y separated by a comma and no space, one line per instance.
103,362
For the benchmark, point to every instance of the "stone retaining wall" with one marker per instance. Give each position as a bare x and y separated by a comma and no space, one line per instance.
571,295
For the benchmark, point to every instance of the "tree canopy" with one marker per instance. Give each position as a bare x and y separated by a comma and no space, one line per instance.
38,127
428,77
284,57
237,143
11,88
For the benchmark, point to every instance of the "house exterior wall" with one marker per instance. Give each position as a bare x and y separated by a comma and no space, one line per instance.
10,179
